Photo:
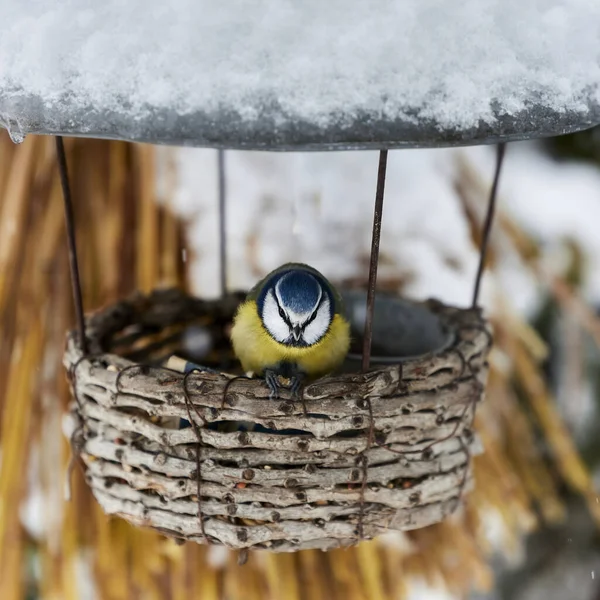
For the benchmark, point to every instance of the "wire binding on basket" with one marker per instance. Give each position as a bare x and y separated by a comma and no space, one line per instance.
287,480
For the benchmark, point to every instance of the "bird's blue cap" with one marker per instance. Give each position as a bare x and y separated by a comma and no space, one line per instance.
298,288
299,291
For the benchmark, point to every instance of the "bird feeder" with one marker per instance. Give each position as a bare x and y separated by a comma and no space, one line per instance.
206,455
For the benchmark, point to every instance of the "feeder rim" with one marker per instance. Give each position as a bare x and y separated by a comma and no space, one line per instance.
226,131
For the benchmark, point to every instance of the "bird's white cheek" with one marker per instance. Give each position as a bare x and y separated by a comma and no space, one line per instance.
274,324
315,330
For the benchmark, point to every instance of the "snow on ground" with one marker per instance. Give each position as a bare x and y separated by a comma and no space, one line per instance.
317,208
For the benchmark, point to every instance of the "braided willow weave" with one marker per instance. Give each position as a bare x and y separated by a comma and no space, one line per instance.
357,455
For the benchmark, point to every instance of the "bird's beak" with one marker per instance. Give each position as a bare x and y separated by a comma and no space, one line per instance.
296,332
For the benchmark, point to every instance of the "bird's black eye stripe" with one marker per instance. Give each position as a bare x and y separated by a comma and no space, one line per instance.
314,314
282,313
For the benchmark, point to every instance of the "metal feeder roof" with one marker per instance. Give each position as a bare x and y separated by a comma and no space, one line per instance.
281,75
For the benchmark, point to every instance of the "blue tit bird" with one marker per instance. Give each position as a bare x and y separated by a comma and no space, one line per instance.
291,325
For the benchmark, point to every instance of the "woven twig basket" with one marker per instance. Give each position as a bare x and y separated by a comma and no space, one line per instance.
361,454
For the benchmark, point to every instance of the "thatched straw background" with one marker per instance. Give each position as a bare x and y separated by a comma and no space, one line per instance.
128,241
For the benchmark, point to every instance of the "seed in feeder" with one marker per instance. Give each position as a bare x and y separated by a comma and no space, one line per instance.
127,468
267,467
240,485
248,474
407,484
112,369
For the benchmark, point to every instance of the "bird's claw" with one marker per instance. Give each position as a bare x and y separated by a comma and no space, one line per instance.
295,387
272,380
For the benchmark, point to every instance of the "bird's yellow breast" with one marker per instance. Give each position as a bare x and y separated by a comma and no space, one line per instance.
257,350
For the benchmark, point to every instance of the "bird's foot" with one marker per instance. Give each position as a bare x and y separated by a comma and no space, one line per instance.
296,385
272,381
296,380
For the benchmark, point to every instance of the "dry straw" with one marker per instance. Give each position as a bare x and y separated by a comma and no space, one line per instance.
121,226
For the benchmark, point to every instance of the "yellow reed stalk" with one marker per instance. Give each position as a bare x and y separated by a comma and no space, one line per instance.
118,584
13,587
7,151
394,574
522,452
253,581
114,222
178,569
232,584
170,248
569,462
147,231
146,560
345,575
102,546
502,484
205,579
370,568
13,212
566,296
15,440
311,575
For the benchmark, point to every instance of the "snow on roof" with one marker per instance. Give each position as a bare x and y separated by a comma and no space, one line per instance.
185,70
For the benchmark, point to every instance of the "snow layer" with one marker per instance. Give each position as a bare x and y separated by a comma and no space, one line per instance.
457,62
317,208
